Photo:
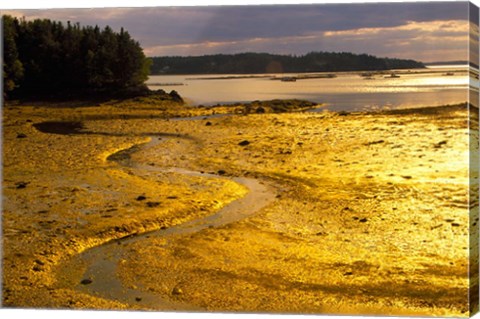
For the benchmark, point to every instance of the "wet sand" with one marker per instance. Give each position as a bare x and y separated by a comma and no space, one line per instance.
370,213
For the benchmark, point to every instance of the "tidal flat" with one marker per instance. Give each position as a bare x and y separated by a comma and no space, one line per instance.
123,206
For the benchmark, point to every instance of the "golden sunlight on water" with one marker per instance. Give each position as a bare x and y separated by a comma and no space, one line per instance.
346,91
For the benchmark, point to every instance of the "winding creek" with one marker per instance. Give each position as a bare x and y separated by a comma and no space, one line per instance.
100,279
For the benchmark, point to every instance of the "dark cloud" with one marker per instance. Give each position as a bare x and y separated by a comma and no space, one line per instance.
236,26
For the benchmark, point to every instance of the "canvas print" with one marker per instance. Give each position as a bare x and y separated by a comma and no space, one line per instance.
306,159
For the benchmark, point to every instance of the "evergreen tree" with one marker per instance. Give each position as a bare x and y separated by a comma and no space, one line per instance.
12,67
46,57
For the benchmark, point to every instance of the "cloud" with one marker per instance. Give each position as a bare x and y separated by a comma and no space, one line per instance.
373,28
426,41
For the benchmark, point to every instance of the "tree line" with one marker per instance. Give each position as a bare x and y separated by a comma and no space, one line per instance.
248,63
47,58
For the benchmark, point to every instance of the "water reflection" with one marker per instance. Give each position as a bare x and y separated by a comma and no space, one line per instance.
347,91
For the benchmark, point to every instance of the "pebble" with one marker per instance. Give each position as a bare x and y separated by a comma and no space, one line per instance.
86,281
21,185
244,143
141,197
177,291
153,204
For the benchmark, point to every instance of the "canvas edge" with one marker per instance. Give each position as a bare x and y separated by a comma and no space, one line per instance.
473,301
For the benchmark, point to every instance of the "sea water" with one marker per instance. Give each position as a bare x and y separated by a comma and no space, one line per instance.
349,91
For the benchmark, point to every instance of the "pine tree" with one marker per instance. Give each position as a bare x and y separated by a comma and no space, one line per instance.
12,67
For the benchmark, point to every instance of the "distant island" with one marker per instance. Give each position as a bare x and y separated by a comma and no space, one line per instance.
458,62
256,63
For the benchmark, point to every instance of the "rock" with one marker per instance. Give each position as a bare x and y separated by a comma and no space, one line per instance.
177,291
374,142
439,144
348,273
37,268
363,220
244,143
21,135
172,197
407,177
21,185
141,197
260,110
86,281
208,124
138,299
39,262
455,224
221,172
153,204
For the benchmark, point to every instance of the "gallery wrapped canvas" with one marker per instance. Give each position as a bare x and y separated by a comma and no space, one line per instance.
302,159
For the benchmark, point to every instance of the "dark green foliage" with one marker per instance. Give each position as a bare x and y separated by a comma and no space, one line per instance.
12,67
47,58
248,63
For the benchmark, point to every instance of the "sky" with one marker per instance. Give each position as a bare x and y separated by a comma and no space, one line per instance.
424,31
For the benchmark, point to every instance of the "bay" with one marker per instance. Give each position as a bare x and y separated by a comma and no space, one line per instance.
347,91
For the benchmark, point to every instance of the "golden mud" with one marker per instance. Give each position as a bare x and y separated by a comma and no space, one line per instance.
371,214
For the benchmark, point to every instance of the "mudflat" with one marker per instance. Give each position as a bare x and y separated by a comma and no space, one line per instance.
128,207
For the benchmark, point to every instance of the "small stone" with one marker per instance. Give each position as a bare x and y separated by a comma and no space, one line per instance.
439,144
407,177
260,110
455,224
21,135
86,281
177,291
208,124
363,220
244,143
37,268
21,185
221,172
348,273
39,262
141,197
153,204
138,299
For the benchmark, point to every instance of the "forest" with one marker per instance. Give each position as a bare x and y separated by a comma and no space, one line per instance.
254,63
47,58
